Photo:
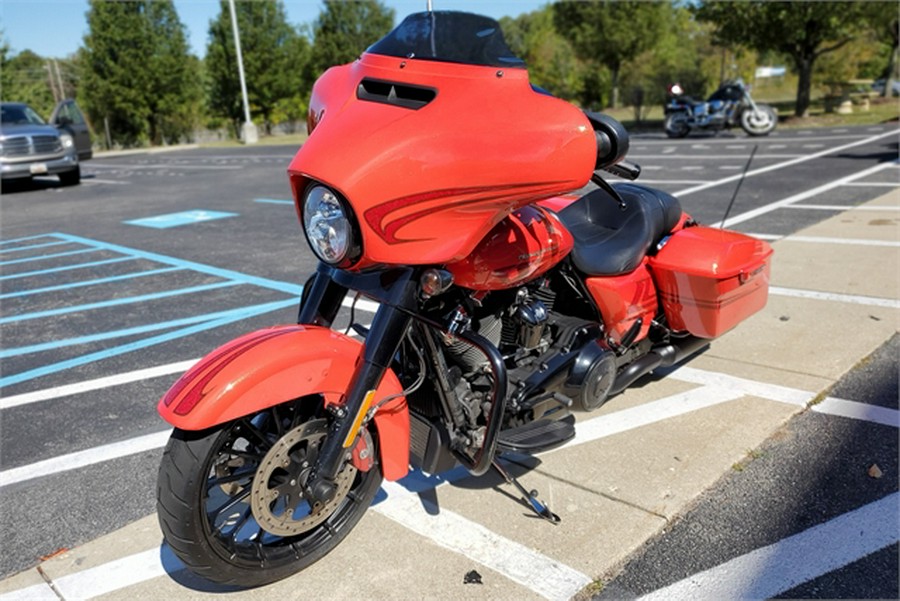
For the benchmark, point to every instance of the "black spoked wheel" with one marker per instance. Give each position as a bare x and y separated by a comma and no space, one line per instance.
230,503
676,125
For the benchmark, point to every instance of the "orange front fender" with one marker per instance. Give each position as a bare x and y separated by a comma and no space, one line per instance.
278,364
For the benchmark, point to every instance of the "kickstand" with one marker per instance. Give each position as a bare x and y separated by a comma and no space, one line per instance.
531,498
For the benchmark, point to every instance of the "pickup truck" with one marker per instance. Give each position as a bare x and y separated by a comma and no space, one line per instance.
30,146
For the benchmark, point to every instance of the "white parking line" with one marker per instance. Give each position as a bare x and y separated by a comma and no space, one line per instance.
870,301
846,207
774,569
777,166
801,196
827,240
539,573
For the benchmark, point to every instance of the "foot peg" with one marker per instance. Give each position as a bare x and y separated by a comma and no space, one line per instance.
530,498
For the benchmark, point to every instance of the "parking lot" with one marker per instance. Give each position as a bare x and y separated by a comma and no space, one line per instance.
113,288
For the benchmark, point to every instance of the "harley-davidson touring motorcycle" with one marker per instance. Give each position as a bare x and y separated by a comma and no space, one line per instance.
728,106
437,182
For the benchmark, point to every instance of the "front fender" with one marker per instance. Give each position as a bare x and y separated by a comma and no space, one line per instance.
278,364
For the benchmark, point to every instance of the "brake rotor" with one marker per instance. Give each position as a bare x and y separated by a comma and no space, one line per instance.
276,497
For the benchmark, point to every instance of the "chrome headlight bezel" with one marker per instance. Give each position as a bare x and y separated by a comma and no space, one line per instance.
330,226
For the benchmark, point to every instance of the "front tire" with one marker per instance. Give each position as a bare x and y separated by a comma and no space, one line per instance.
759,122
676,125
229,505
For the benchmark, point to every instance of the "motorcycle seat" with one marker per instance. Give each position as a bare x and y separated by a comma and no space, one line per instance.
613,241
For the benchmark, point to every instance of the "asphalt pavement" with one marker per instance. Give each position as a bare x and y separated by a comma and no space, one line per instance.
111,289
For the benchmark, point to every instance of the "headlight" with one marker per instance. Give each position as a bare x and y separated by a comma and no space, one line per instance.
66,140
327,224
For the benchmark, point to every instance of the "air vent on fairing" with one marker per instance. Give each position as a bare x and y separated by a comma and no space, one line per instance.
396,94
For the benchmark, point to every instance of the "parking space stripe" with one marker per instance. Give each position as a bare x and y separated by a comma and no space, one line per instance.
294,289
774,569
66,268
273,201
45,257
871,301
238,315
802,159
154,327
85,458
119,301
48,394
861,411
543,575
824,240
842,208
32,246
804,195
95,282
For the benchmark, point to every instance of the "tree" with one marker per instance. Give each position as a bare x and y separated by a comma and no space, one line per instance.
136,72
345,29
26,79
173,90
804,31
550,58
609,33
274,57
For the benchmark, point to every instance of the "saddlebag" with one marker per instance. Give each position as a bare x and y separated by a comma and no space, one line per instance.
709,280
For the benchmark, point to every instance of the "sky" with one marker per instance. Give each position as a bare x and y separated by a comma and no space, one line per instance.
56,28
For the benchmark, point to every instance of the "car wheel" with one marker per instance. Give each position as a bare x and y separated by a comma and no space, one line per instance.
70,178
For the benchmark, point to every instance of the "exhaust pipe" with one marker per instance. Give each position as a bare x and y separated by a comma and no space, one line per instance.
661,356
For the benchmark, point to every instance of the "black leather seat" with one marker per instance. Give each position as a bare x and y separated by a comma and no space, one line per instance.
612,241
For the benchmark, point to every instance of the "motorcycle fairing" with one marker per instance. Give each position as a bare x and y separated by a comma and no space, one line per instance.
274,365
404,189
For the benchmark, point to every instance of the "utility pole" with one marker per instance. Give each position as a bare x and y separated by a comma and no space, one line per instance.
50,80
62,90
249,130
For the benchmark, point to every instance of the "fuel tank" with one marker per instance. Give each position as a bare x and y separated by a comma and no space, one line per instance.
521,247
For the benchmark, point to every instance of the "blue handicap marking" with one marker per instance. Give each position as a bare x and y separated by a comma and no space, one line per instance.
182,218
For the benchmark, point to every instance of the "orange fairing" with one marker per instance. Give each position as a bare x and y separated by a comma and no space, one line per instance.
502,146
274,365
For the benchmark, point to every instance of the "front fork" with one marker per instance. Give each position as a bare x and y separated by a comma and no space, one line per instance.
321,301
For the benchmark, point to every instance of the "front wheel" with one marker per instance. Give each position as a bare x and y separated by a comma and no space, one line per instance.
230,499
676,125
759,122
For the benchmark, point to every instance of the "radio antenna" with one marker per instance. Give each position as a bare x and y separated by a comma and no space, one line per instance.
738,188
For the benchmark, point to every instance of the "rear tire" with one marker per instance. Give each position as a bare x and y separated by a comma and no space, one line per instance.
676,125
214,484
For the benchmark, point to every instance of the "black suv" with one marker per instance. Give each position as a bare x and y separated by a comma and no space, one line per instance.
29,146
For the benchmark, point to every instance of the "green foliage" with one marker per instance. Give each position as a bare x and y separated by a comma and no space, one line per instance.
804,31
136,74
345,29
25,79
551,60
274,57
610,33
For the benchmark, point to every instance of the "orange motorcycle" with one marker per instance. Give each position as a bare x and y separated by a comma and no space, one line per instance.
438,182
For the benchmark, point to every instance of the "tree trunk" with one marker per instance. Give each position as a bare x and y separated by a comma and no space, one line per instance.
804,84
614,97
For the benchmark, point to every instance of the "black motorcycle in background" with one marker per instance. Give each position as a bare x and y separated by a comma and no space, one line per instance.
728,106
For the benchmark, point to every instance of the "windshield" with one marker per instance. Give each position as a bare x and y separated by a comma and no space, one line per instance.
451,37
19,115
